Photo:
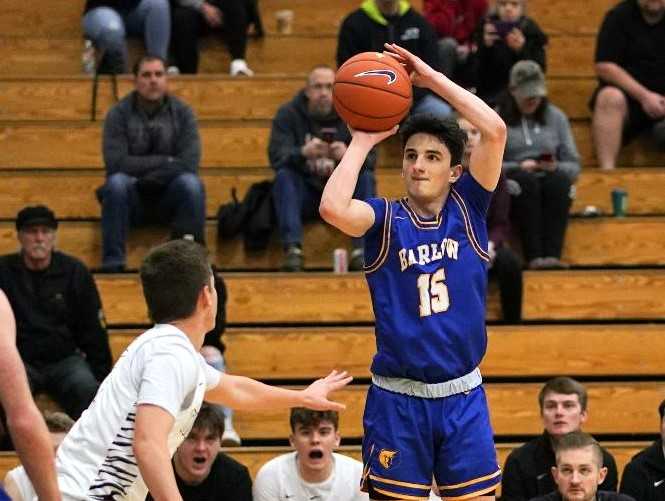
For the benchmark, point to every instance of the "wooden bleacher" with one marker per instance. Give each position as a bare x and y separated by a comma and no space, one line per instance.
588,323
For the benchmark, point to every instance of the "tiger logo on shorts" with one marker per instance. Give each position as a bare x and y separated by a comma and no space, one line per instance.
387,458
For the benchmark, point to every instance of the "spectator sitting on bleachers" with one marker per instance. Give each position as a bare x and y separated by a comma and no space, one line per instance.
151,152
505,37
455,23
527,472
504,264
393,21
20,414
630,64
644,476
579,471
201,470
61,334
18,485
542,158
307,141
194,18
107,23
313,470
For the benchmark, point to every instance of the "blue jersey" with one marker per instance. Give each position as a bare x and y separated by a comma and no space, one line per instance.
428,282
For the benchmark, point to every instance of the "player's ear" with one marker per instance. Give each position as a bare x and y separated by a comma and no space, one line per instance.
455,172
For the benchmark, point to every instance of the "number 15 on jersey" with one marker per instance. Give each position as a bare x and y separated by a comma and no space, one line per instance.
433,293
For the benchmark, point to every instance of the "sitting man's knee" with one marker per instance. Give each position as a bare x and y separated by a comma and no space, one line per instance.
190,184
611,98
118,184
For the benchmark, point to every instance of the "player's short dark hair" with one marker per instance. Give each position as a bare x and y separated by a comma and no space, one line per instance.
566,386
146,59
308,418
661,410
579,440
210,418
58,422
446,130
172,275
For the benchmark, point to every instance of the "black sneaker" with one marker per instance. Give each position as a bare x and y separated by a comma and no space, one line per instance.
293,260
357,261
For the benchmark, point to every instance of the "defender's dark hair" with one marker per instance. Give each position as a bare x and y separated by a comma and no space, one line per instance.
308,418
172,275
211,418
58,422
146,59
446,130
566,386
506,107
579,440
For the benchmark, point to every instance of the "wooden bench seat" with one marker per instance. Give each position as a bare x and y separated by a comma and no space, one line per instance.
529,351
71,193
325,298
589,242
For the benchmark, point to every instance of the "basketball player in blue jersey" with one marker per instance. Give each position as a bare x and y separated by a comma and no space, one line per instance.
426,265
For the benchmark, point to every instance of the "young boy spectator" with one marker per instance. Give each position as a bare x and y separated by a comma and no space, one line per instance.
307,141
18,485
60,328
312,470
151,152
528,469
630,59
505,37
201,470
644,477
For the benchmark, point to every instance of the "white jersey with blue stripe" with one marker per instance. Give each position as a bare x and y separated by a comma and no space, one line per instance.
428,282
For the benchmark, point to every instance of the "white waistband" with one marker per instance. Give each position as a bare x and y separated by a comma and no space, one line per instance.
423,390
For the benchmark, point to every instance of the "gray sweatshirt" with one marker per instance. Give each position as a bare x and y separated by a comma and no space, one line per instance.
530,139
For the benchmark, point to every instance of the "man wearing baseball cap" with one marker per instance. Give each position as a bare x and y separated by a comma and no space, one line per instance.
61,334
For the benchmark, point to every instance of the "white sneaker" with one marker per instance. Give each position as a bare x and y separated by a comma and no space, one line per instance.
230,438
239,67
173,71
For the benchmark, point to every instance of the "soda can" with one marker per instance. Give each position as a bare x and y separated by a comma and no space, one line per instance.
619,202
340,261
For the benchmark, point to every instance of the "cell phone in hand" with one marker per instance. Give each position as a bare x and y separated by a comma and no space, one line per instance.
504,27
547,158
327,134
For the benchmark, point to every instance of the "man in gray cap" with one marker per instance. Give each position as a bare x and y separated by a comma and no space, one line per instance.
61,334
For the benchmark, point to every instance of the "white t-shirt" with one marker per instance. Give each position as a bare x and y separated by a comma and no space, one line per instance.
161,367
23,485
279,480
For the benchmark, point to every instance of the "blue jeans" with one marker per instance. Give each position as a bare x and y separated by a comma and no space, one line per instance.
433,105
182,202
296,200
70,382
108,27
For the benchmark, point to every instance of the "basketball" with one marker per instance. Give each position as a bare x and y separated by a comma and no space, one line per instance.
372,92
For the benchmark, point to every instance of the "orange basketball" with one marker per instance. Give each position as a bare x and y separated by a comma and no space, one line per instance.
372,92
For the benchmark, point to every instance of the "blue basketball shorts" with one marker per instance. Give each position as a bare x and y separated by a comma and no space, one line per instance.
410,440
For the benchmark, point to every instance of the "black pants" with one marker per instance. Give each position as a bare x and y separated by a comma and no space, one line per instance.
189,24
507,270
541,211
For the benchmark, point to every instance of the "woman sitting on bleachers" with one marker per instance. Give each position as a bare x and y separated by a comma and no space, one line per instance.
541,157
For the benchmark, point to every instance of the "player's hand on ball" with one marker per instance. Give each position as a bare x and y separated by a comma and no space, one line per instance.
315,396
422,74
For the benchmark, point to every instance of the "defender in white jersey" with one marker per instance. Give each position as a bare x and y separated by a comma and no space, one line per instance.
121,447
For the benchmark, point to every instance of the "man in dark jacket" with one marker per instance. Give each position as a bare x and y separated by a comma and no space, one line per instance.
151,151
60,328
307,141
393,21
528,469
644,477
579,471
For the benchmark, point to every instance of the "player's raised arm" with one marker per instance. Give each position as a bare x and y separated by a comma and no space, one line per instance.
353,217
486,159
